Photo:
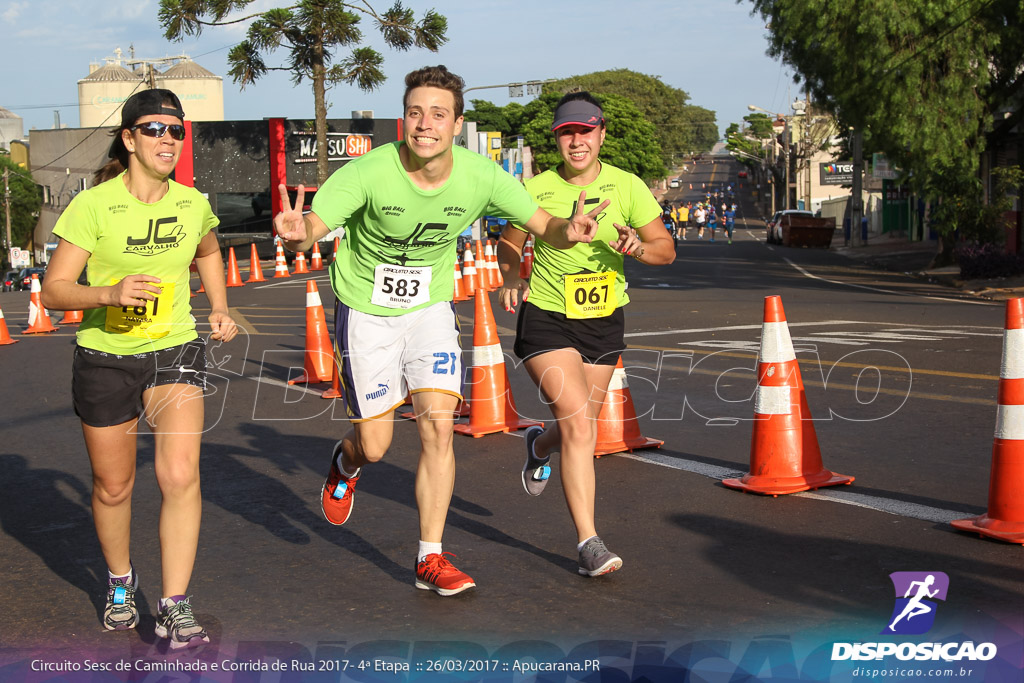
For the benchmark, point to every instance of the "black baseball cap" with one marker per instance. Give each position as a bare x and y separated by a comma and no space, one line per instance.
578,112
155,102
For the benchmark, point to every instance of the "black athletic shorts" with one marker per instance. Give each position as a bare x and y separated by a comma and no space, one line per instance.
599,340
106,389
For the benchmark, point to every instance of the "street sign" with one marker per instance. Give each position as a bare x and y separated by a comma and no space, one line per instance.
880,167
20,258
835,173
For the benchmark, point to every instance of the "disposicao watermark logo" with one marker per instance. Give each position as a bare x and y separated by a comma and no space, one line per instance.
913,614
916,592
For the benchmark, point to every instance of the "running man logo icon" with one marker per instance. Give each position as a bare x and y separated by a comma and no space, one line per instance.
914,611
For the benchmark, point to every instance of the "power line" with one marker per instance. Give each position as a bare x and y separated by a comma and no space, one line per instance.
41,106
91,133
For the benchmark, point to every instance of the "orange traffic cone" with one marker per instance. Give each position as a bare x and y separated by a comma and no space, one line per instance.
617,428
469,273
71,318
38,318
335,390
491,407
460,288
337,245
316,260
319,362
280,262
255,272
691,186
526,265
481,267
493,272
300,263
498,280
1004,519
234,276
784,453
5,336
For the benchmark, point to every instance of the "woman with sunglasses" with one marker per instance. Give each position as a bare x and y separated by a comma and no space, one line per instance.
138,349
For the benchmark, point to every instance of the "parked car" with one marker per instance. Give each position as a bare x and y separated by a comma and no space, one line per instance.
774,227
10,277
674,183
24,280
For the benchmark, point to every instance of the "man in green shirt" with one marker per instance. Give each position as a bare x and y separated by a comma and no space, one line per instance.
403,207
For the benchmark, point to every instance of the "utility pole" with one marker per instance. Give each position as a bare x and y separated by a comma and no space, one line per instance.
785,144
7,209
808,149
856,208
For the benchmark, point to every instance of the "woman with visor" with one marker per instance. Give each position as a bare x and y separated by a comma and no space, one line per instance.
138,351
570,327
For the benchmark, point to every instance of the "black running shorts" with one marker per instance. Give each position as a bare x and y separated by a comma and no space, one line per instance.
106,389
599,340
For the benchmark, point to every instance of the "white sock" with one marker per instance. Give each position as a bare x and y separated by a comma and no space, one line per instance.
126,578
428,549
580,546
341,467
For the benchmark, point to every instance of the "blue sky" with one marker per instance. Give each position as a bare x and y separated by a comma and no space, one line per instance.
712,49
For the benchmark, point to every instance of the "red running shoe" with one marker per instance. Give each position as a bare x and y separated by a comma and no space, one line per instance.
437,574
336,498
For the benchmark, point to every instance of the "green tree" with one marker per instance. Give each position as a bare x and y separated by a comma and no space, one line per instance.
923,81
759,125
310,30
679,127
507,120
746,140
25,203
630,143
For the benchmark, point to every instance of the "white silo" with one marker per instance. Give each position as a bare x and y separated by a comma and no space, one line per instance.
103,91
201,91
12,127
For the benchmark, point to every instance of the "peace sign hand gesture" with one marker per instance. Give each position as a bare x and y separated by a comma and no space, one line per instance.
290,223
582,226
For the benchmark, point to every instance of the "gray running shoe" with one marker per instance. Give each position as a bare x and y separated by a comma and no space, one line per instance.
596,559
536,471
120,612
177,624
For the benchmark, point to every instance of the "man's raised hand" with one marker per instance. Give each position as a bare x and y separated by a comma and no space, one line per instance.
290,224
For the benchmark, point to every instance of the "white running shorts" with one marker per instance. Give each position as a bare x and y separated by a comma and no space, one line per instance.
381,359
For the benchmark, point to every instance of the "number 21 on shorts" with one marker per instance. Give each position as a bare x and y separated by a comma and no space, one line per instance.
446,363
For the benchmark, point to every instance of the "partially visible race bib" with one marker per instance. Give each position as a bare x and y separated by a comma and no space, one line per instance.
149,321
400,286
590,295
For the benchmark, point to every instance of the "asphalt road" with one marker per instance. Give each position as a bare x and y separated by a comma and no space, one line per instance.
901,379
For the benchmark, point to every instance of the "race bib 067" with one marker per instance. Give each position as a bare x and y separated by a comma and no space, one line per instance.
590,295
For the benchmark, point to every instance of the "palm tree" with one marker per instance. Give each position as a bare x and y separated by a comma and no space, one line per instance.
310,30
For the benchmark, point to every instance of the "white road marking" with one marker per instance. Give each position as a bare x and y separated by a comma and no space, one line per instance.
284,282
834,494
807,274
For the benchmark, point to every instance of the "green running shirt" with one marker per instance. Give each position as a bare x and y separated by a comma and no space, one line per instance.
399,249
632,204
125,236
